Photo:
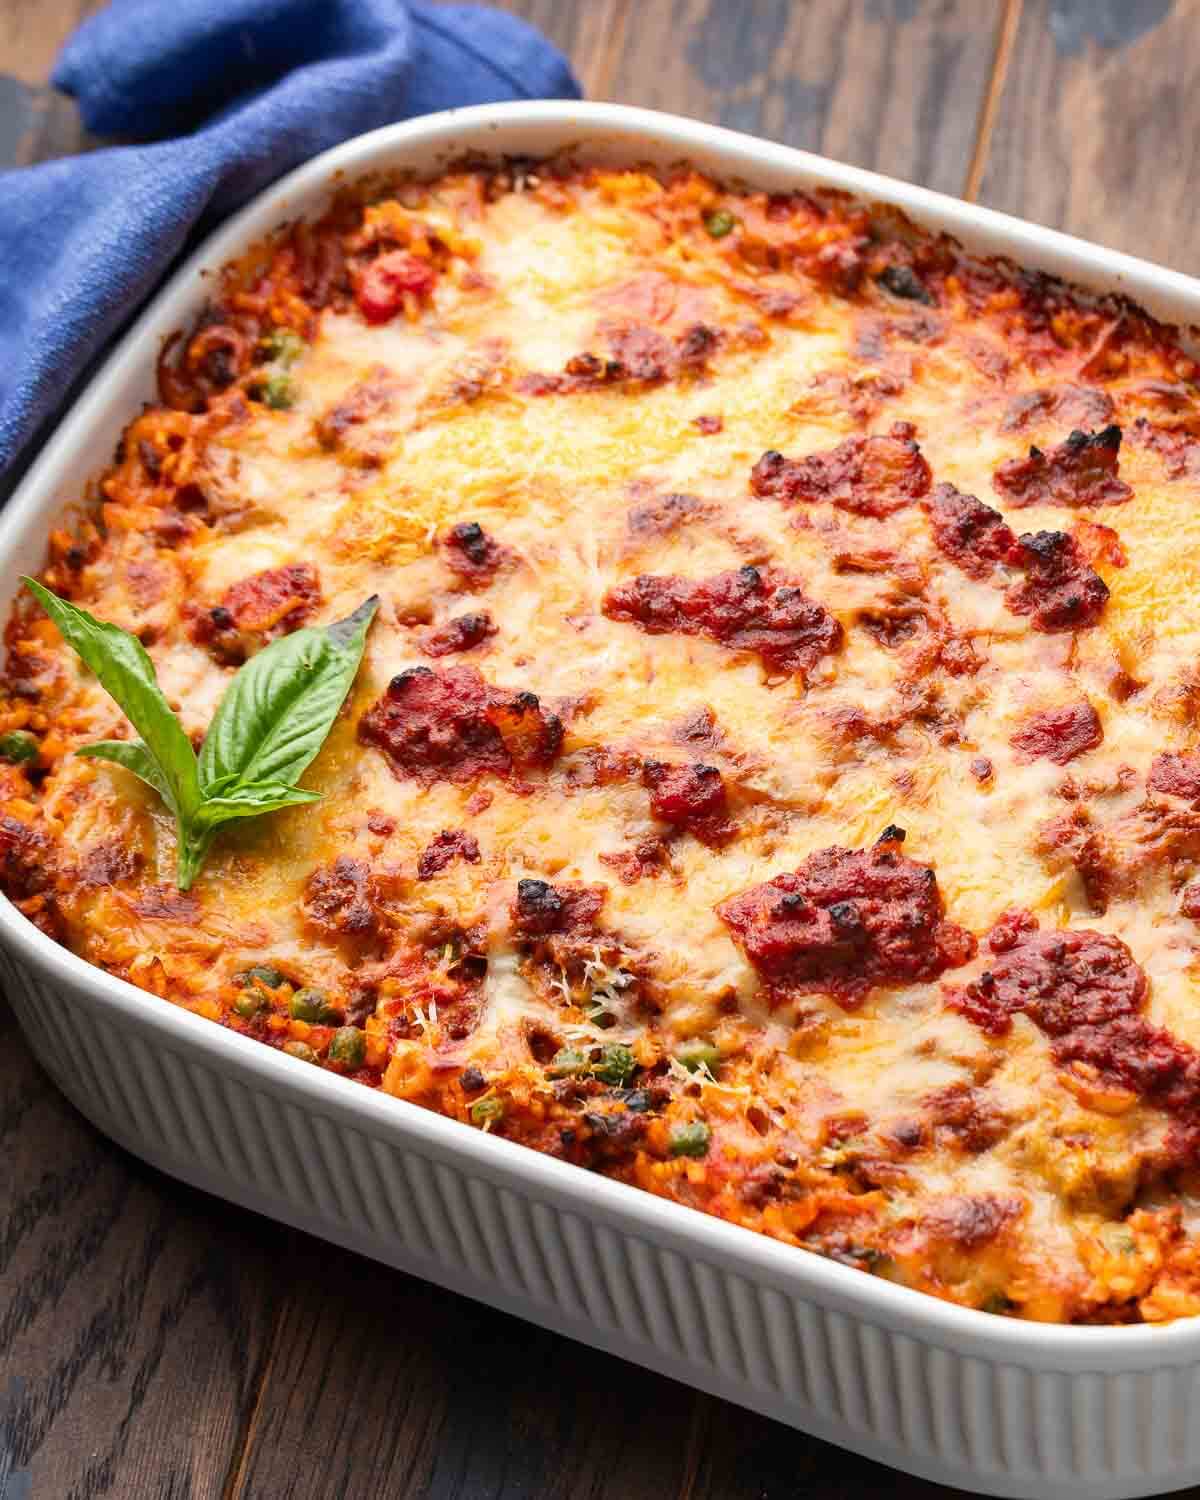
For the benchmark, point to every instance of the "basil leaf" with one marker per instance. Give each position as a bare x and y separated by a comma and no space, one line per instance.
191,854
248,800
126,673
134,756
269,725
279,708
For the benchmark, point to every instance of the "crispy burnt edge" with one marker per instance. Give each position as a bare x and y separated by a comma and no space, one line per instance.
907,264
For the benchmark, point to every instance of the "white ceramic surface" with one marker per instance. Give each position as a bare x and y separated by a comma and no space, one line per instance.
991,1404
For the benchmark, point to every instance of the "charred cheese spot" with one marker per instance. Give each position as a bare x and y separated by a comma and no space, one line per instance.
1080,471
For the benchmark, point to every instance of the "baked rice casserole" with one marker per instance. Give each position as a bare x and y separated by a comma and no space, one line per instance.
773,775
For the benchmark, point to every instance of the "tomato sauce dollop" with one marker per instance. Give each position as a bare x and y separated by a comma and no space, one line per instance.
452,725
748,609
872,476
382,286
1080,471
1086,993
846,921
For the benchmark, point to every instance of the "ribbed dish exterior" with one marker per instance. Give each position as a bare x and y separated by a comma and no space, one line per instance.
992,1425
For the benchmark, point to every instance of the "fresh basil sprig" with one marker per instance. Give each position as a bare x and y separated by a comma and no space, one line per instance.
270,723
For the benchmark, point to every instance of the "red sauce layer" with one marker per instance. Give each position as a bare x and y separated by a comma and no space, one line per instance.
540,908
1176,772
1059,734
691,798
637,355
266,605
1060,591
1083,405
338,898
452,725
748,609
847,920
442,851
1178,448
971,534
382,287
460,634
1086,993
472,555
1080,471
872,476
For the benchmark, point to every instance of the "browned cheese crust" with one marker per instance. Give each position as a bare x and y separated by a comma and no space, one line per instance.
774,777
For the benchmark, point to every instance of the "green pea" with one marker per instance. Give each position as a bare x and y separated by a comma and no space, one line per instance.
566,1063
18,745
249,1002
998,1303
483,1111
283,345
348,1046
278,392
719,223
617,1065
312,1005
300,1050
697,1054
260,974
691,1139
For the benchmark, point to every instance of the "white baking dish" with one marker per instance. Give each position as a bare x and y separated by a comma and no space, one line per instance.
1004,1407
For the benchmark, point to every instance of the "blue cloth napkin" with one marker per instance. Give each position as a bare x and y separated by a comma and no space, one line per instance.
228,95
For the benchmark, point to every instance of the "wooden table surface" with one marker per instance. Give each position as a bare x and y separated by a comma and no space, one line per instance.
158,1344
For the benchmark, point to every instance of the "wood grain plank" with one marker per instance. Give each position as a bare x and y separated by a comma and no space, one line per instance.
384,1385
36,122
1098,128
381,1385
136,1313
896,85
741,1456
590,32
32,31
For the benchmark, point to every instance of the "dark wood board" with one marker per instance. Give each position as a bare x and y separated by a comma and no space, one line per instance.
381,1385
590,32
136,1314
895,85
36,122
1097,129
